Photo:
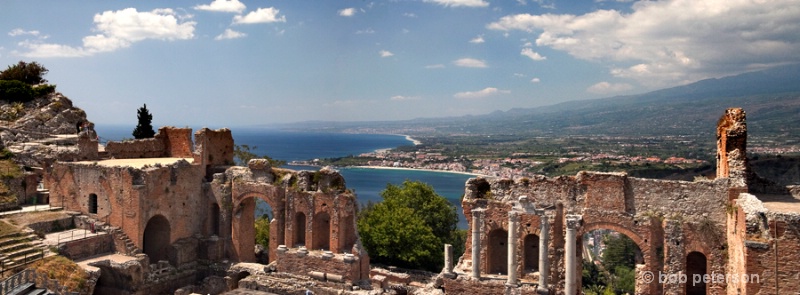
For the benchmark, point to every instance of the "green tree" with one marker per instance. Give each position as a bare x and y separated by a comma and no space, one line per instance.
243,154
144,129
262,231
409,227
28,73
15,91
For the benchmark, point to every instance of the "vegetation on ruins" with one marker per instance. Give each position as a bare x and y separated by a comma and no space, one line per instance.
19,82
409,227
67,272
244,153
616,273
262,231
144,128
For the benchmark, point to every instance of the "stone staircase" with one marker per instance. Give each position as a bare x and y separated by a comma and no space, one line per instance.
20,249
122,243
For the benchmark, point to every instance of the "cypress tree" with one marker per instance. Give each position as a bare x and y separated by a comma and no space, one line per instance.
144,129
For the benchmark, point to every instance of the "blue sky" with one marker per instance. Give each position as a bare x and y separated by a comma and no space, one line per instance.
229,63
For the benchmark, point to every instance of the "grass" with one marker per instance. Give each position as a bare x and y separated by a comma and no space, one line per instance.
6,228
67,272
9,169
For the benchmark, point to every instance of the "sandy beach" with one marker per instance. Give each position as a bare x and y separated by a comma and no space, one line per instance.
415,169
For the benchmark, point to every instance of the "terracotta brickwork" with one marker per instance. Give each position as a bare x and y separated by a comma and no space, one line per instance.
680,227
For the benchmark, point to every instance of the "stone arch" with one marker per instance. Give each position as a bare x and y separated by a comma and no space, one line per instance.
696,264
641,244
300,229
243,224
497,252
531,253
156,239
321,237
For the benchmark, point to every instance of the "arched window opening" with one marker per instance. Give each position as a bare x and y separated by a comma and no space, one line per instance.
609,262
696,265
156,239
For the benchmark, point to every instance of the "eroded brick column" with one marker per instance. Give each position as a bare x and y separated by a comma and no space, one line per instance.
477,228
513,228
570,286
544,266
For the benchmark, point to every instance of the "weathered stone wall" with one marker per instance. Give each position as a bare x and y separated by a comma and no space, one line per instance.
336,267
87,247
214,147
138,148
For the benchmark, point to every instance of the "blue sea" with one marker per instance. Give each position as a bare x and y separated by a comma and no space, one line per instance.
367,183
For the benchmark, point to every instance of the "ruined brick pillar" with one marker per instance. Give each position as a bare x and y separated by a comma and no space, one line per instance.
732,146
544,266
570,263
513,228
448,260
477,228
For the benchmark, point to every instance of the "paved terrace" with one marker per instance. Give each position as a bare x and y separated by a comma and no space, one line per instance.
780,203
136,163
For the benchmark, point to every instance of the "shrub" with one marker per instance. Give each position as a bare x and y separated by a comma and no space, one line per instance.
44,89
13,90
28,73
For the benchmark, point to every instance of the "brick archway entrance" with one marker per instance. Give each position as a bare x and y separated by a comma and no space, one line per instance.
243,226
640,257
156,239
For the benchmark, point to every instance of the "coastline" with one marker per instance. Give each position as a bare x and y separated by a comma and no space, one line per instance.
414,169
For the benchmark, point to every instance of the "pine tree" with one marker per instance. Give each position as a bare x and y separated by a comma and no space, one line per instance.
144,129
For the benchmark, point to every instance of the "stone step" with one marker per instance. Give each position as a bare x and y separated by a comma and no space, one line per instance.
15,240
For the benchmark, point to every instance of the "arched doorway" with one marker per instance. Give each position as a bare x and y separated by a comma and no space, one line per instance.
497,254
609,262
263,215
244,216
531,244
156,239
300,229
696,264
214,220
321,231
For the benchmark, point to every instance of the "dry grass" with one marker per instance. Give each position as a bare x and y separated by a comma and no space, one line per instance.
68,273
6,228
34,217
9,169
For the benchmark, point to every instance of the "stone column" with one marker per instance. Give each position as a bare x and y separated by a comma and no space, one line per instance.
544,266
448,260
513,228
477,228
573,222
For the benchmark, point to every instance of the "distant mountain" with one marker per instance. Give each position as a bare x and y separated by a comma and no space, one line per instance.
770,97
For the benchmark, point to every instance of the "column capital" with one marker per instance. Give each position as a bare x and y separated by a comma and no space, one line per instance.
513,216
478,212
574,221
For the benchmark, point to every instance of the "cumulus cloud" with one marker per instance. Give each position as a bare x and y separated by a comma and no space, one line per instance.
532,54
669,42
486,92
470,63
385,53
261,15
223,6
460,3
21,32
477,40
347,12
535,80
230,34
403,98
609,88
119,29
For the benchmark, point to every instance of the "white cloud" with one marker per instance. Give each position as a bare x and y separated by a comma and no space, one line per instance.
477,40
404,98
670,42
436,66
21,32
458,3
385,53
532,54
470,63
230,34
261,15
118,29
535,80
223,6
609,88
486,92
409,14
366,31
347,12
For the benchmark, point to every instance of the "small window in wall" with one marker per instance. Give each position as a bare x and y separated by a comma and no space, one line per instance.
93,203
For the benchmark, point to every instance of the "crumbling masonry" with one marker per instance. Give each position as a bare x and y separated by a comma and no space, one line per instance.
740,234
